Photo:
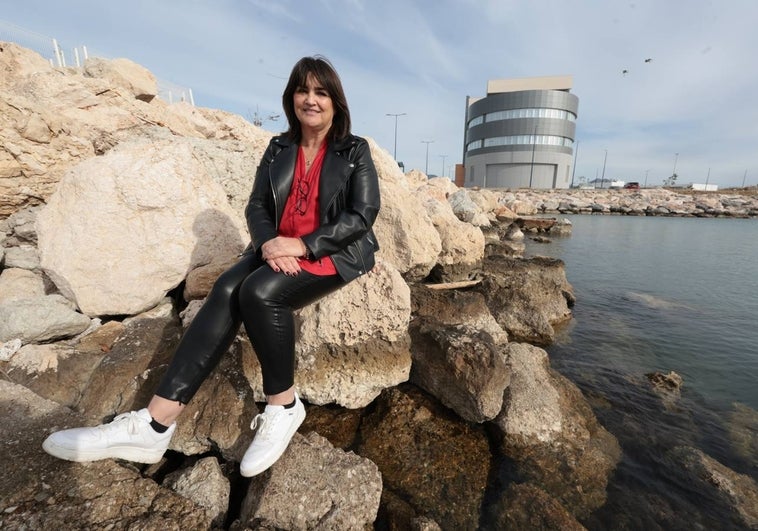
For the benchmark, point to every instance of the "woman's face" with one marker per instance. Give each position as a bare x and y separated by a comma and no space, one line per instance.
313,106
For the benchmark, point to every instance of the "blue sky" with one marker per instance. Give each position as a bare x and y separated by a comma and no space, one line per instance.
695,98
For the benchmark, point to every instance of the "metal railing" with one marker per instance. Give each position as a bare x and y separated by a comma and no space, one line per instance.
50,49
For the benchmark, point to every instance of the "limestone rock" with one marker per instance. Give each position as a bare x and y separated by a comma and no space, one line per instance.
376,305
458,352
9,348
718,485
350,376
128,374
462,244
314,486
201,279
552,434
527,296
219,415
466,209
406,235
38,491
124,73
39,319
433,460
204,484
22,256
147,215
524,506
743,432
17,284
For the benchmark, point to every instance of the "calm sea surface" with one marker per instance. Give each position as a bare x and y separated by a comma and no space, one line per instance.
663,294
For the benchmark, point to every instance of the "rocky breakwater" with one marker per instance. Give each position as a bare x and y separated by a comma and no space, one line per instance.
742,203
429,405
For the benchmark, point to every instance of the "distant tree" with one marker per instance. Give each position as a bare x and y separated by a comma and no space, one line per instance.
671,181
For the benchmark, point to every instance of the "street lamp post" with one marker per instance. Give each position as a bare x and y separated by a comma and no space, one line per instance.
676,157
394,154
602,177
427,142
443,164
646,172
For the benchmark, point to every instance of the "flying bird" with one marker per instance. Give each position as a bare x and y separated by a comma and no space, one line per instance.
624,72
649,60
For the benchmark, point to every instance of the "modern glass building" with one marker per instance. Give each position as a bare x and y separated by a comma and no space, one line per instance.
521,135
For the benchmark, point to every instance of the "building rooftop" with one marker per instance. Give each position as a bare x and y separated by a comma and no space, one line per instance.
497,86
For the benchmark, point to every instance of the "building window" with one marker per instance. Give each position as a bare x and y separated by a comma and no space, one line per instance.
476,121
519,140
510,114
476,144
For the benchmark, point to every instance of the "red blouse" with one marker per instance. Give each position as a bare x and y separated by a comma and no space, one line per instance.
300,215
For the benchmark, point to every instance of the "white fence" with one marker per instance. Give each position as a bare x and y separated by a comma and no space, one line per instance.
59,56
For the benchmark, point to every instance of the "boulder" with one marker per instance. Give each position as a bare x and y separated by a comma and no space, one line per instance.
717,485
18,284
38,491
41,318
458,352
552,435
165,212
206,485
466,209
431,459
462,244
743,432
527,296
314,486
407,237
23,256
524,506
136,79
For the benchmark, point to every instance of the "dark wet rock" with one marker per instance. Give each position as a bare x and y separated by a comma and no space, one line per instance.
337,424
743,433
526,507
718,485
670,382
552,434
527,296
428,457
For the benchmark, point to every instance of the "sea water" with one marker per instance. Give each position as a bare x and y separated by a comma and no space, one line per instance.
658,294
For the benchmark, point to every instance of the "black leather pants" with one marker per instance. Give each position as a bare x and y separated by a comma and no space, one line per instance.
253,293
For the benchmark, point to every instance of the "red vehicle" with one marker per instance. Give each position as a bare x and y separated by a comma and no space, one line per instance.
632,186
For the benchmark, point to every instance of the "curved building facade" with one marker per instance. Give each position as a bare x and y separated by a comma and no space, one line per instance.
521,135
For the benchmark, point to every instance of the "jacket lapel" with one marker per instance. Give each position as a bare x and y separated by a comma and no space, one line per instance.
334,172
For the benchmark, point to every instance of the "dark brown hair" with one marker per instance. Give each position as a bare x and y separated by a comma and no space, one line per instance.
326,75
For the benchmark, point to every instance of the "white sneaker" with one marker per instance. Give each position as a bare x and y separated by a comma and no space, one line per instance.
129,436
276,426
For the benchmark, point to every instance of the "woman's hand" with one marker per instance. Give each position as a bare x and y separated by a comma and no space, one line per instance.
282,253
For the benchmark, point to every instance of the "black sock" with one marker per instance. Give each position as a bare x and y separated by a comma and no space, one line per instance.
158,427
291,405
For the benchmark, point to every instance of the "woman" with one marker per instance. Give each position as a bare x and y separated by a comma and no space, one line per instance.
310,213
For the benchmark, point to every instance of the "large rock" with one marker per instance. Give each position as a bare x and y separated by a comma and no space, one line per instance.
428,457
406,234
16,284
458,352
136,79
147,215
462,244
716,485
524,506
204,484
39,319
314,486
552,435
527,296
38,491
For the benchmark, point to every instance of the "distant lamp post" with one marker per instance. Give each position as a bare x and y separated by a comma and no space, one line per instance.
427,142
394,154
534,145
443,164
573,170
676,157
646,172
602,177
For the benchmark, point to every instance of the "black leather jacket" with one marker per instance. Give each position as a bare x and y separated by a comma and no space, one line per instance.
348,202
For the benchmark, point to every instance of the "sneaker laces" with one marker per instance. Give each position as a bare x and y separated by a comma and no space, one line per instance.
132,419
265,423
